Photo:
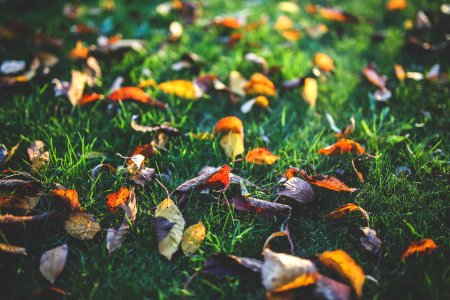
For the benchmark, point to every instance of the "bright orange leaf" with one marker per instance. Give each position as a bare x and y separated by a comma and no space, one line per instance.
69,197
342,263
423,246
114,200
260,85
347,208
228,22
396,5
136,94
261,156
327,182
343,146
146,150
79,52
323,62
89,98
229,124
219,181
292,35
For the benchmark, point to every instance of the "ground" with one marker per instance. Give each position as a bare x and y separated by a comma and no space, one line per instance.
410,130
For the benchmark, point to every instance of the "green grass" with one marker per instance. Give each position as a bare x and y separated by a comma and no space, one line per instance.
402,210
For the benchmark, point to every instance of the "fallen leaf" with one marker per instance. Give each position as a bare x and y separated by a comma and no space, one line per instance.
282,272
399,72
79,52
261,156
228,22
114,238
330,289
254,58
297,189
12,66
221,264
192,238
167,129
323,62
317,31
327,182
135,94
237,83
344,265
143,176
280,234
343,146
218,181
229,124
115,200
425,246
89,98
331,13
52,262
176,31
260,101
310,90
347,208
182,88
260,207
81,225
18,204
6,155
200,180
283,23
259,85
12,249
370,241
356,163
374,77
232,144
396,5
38,156
169,227
68,197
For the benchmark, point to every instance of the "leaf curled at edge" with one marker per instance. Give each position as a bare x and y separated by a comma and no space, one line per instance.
425,246
12,249
343,146
347,208
169,238
285,233
296,189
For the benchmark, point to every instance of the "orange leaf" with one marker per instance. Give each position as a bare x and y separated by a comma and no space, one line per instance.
229,124
291,172
146,150
182,88
323,61
396,5
423,246
283,23
228,22
327,182
292,35
343,146
260,85
399,72
341,262
219,181
347,208
136,94
79,52
261,156
88,98
69,197
114,200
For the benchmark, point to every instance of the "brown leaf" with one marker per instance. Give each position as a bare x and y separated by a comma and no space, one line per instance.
282,272
12,249
330,289
10,219
52,262
221,264
356,163
18,204
260,207
167,129
81,225
135,94
6,155
370,241
343,146
344,265
347,208
297,189
425,246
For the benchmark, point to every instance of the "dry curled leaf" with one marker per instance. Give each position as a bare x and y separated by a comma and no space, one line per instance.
296,189
192,238
310,90
356,163
347,208
68,197
169,223
17,204
327,182
370,241
6,155
425,246
232,144
260,207
114,237
167,129
330,289
261,156
343,146
285,233
12,249
344,265
135,94
182,88
282,272
79,51
229,124
38,156
52,262
81,225
259,85
115,200
221,264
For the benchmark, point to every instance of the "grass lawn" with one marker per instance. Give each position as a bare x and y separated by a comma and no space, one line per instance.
410,130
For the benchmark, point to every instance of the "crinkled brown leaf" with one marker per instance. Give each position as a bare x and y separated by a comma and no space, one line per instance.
81,225
297,189
221,264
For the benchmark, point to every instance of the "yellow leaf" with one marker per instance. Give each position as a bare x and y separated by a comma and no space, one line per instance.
283,272
182,88
341,262
82,225
283,23
310,90
193,236
233,144
169,227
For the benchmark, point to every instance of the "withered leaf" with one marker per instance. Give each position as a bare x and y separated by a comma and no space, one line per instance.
135,94
221,264
260,207
330,289
344,265
285,233
52,262
38,156
12,249
297,189
327,182
343,146
68,197
259,85
347,208
192,238
282,272
425,246
115,200
167,129
261,156
81,225
232,144
370,241
18,204
169,227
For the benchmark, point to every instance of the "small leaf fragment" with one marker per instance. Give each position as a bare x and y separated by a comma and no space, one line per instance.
425,246
347,208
